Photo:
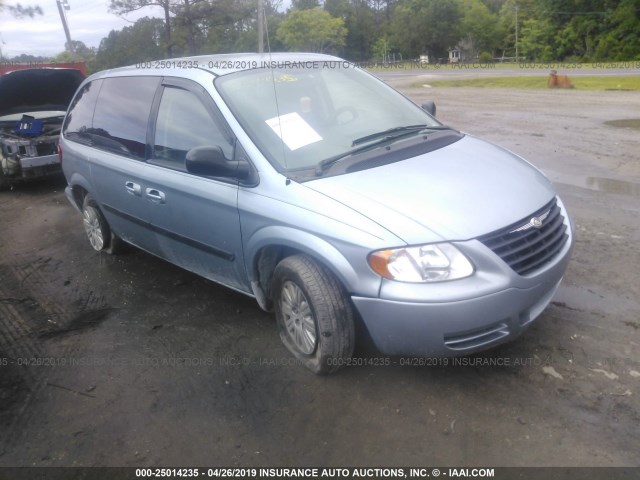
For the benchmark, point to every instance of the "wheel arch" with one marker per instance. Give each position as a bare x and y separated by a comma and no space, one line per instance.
79,186
271,244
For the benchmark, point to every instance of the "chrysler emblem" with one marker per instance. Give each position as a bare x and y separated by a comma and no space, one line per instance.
536,222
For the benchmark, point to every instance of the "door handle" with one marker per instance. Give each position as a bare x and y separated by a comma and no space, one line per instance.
133,188
156,196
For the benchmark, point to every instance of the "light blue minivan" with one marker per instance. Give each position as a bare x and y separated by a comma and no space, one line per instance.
307,183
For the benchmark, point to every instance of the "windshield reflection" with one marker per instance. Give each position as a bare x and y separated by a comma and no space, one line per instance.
299,117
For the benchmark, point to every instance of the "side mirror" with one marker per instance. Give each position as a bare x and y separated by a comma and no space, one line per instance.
430,108
210,161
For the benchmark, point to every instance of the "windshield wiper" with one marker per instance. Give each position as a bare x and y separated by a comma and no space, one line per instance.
327,162
397,132
391,134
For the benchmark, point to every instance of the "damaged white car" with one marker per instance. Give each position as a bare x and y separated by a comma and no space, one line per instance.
33,103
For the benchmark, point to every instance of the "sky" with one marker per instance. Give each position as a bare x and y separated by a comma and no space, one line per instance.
89,21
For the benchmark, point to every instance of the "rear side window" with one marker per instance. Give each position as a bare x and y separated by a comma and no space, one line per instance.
122,114
80,118
184,123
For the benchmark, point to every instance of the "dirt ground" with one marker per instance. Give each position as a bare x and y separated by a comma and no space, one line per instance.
128,361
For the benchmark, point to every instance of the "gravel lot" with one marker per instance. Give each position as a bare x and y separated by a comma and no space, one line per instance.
148,365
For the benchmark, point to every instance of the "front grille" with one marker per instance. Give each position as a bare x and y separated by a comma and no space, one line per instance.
524,245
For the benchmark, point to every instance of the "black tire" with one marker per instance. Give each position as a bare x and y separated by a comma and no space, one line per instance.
324,308
99,234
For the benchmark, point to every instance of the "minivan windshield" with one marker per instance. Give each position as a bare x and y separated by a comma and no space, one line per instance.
305,118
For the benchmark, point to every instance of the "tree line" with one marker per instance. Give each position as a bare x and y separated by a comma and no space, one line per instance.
377,30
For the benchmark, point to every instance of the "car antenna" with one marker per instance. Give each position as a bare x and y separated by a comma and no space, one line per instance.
263,18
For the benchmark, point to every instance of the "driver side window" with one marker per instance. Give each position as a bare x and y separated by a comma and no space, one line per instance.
184,123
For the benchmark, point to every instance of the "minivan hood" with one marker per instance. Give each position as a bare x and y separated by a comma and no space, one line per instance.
38,89
459,192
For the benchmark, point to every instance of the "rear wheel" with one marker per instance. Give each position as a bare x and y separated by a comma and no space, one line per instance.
97,229
314,314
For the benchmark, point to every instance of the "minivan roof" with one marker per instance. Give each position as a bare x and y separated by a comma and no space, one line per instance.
223,64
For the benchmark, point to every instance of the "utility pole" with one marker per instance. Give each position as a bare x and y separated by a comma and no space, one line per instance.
62,6
260,26
517,34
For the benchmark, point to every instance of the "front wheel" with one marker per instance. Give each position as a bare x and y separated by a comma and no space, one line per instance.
314,314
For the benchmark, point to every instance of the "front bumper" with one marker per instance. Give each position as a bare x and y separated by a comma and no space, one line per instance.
36,167
26,158
452,328
464,316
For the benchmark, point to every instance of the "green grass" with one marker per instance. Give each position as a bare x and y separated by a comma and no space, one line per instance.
580,83
432,67
524,66
625,123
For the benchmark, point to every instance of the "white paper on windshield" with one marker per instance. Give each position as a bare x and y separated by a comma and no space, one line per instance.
293,130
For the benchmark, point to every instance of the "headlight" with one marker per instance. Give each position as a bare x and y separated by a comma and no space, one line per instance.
425,263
